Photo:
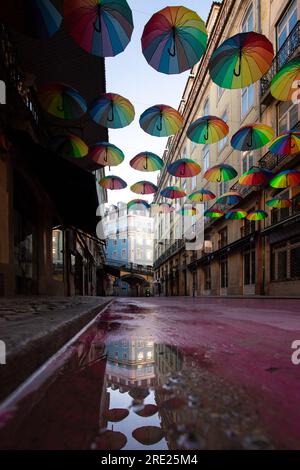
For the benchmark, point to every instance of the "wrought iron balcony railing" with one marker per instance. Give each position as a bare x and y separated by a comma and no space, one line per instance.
174,248
278,215
285,53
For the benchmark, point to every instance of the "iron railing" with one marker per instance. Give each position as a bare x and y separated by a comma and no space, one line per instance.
284,54
174,248
129,267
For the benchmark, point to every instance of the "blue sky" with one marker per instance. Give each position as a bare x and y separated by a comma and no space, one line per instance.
130,75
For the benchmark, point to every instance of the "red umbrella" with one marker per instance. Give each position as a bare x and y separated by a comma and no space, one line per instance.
148,435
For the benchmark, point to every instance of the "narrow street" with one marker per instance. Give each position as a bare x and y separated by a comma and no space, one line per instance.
167,373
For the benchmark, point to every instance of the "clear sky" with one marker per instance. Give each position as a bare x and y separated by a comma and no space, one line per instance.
129,74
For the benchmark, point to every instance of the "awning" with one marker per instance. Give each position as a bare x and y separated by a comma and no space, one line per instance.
71,189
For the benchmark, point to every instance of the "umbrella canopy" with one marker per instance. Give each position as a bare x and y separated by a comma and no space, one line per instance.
252,136
112,111
147,410
112,182
173,192
184,168
201,195
174,39
110,440
146,161
161,120
231,197
43,17
148,435
207,130
241,60
284,85
213,213
236,214
288,143
279,203
116,414
255,177
257,215
161,208
221,172
106,154
70,146
138,204
62,101
101,27
285,179
143,187
187,211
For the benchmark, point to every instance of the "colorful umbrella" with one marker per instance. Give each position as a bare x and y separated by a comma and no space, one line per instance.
147,161
161,208
161,120
207,130
184,168
112,111
285,179
174,39
101,27
232,197
173,192
187,211
279,203
43,17
70,146
116,414
236,214
241,60
112,182
252,136
147,410
201,195
284,85
143,187
148,435
62,101
221,172
255,177
138,204
213,213
257,215
288,143
110,440
106,154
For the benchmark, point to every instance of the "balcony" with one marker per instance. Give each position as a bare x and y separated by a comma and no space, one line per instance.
285,53
280,215
174,248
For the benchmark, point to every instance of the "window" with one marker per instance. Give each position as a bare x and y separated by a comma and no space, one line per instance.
249,264
223,142
57,254
247,100
247,161
220,92
287,116
205,156
223,238
248,22
206,108
285,260
224,272
286,25
223,187
123,253
194,182
207,277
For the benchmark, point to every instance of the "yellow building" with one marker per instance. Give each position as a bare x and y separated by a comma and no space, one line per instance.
237,257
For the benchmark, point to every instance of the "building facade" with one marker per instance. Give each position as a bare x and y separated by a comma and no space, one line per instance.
237,257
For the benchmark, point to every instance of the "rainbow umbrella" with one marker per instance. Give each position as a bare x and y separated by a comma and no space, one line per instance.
236,214
112,111
143,187
112,182
138,204
241,60
221,172
207,130
70,146
161,208
101,27
201,195
161,120
62,101
252,136
148,435
288,143
284,85
173,192
174,39
184,168
285,179
146,161
213,213
255,177
279,203
231,197
188,211
106,154
257,215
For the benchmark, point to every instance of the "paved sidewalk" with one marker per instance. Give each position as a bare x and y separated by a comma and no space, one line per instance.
34,328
